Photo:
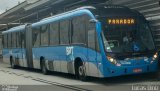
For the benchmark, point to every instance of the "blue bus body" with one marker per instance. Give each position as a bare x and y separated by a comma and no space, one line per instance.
62,57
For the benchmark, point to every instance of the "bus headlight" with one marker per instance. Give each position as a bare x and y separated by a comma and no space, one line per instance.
155,56
112,60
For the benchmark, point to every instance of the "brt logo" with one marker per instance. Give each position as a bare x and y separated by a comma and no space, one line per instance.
69,51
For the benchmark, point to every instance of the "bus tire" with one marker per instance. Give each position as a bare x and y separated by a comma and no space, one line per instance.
81,72
44,68
13,66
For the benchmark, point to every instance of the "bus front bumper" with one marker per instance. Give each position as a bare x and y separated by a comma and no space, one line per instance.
128,70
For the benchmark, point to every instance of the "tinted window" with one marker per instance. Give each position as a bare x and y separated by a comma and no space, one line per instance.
19,40
64,32
22,35
9,40
5,39
13,40
36,37
54,34
79,29
91,36
44,35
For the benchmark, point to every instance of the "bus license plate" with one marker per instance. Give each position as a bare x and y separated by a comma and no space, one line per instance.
137,70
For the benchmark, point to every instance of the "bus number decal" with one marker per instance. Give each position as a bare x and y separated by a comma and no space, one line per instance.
69,51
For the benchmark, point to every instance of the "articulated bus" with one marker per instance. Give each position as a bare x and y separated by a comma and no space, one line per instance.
97,41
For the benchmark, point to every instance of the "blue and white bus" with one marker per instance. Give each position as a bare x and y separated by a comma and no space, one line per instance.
98,41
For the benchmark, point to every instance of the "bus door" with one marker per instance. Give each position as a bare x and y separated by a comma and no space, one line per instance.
92,50
28,44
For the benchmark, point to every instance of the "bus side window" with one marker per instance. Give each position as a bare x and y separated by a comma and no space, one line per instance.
54,33
91,36
5,41
9,40
45,35
14,40
22,41
17,40
79,29
2,41
36,37
64,32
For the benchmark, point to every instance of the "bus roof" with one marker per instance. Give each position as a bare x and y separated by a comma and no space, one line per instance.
76,12
15,29
85,7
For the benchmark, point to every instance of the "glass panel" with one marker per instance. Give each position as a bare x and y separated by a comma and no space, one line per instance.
54,34
44,35
5,41
22,35
64,32
135,37
13,40
79,29
18,42
36,37
91,36
9,40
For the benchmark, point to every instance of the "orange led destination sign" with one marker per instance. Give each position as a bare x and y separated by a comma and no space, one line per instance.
121,21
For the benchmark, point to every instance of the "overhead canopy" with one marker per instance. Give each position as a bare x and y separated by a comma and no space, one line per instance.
31,11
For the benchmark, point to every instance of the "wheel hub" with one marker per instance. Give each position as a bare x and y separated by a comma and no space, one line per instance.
81,71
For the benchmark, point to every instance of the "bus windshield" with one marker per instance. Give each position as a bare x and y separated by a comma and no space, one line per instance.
122,36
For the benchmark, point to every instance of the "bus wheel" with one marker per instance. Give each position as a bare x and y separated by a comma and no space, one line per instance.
44,68
13,66
81,73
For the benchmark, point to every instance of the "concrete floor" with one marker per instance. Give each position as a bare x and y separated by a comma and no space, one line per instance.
66,82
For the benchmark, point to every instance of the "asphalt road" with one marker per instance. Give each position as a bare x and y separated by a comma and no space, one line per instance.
34,80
